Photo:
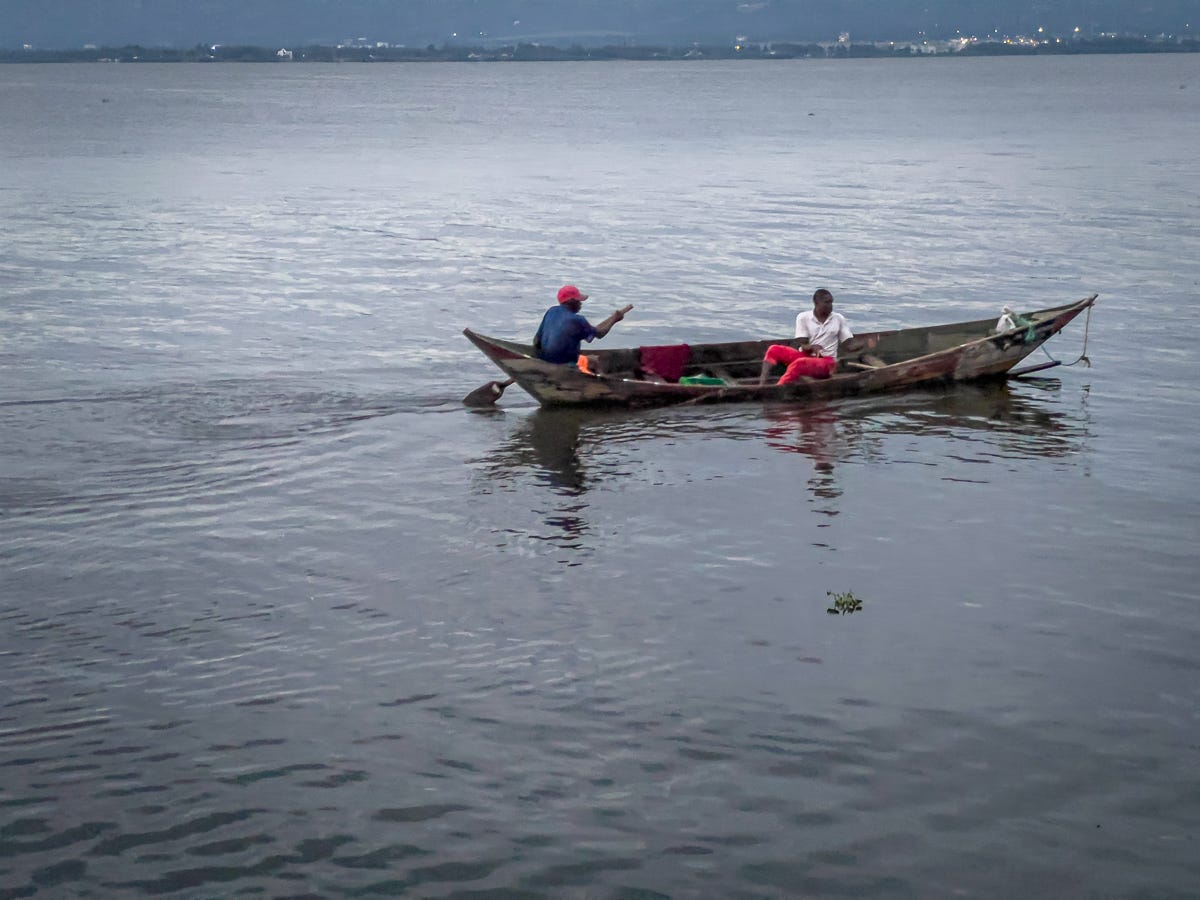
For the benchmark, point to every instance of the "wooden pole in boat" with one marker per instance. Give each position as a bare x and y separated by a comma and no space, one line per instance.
1017,373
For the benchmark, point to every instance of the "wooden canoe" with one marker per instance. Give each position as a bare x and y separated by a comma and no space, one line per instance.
901,359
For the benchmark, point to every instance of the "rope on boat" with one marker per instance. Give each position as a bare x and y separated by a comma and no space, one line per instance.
1083,357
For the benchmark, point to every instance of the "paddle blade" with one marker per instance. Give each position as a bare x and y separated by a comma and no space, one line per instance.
486,395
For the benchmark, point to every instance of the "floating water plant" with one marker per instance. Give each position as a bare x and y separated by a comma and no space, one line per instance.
843,603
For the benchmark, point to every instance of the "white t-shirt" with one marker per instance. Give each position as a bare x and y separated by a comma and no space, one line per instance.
826,335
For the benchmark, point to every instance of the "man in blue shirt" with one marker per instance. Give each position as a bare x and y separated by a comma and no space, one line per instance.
563,328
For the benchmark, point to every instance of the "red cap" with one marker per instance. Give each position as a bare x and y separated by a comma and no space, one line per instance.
570,292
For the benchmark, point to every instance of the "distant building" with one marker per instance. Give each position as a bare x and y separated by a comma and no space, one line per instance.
285,54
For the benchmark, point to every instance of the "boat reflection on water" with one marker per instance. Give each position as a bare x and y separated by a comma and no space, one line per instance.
1008,420
990,420
820,433
546,444
574,450
565,453
569,452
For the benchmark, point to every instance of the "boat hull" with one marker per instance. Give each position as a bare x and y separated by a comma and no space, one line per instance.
901,359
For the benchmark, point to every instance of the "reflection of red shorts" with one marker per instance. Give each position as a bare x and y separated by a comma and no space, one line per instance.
798,364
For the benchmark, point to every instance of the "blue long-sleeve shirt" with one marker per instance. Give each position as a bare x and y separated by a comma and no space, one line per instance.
560,335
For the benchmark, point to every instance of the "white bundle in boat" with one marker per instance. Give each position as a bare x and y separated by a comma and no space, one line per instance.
1007,320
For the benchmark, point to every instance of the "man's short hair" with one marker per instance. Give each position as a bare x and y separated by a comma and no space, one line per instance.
821,293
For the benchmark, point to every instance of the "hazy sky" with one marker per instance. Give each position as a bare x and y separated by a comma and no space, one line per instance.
185,23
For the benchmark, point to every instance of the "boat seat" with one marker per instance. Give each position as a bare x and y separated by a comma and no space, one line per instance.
866,361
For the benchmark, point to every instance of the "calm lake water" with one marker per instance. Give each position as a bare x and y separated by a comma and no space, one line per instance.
278,616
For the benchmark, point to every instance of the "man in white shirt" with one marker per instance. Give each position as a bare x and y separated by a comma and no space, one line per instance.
823,330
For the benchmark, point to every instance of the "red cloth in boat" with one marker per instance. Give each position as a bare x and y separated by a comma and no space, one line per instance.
667,362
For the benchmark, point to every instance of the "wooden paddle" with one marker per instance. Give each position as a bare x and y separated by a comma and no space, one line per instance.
487,394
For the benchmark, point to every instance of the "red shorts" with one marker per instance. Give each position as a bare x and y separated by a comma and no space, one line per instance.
799,364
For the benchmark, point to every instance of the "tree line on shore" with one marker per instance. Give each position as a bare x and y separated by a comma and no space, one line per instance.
530,52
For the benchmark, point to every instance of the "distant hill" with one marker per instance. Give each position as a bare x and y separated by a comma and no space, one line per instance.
185,23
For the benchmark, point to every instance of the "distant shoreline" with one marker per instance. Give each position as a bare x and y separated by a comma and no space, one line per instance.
543,53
